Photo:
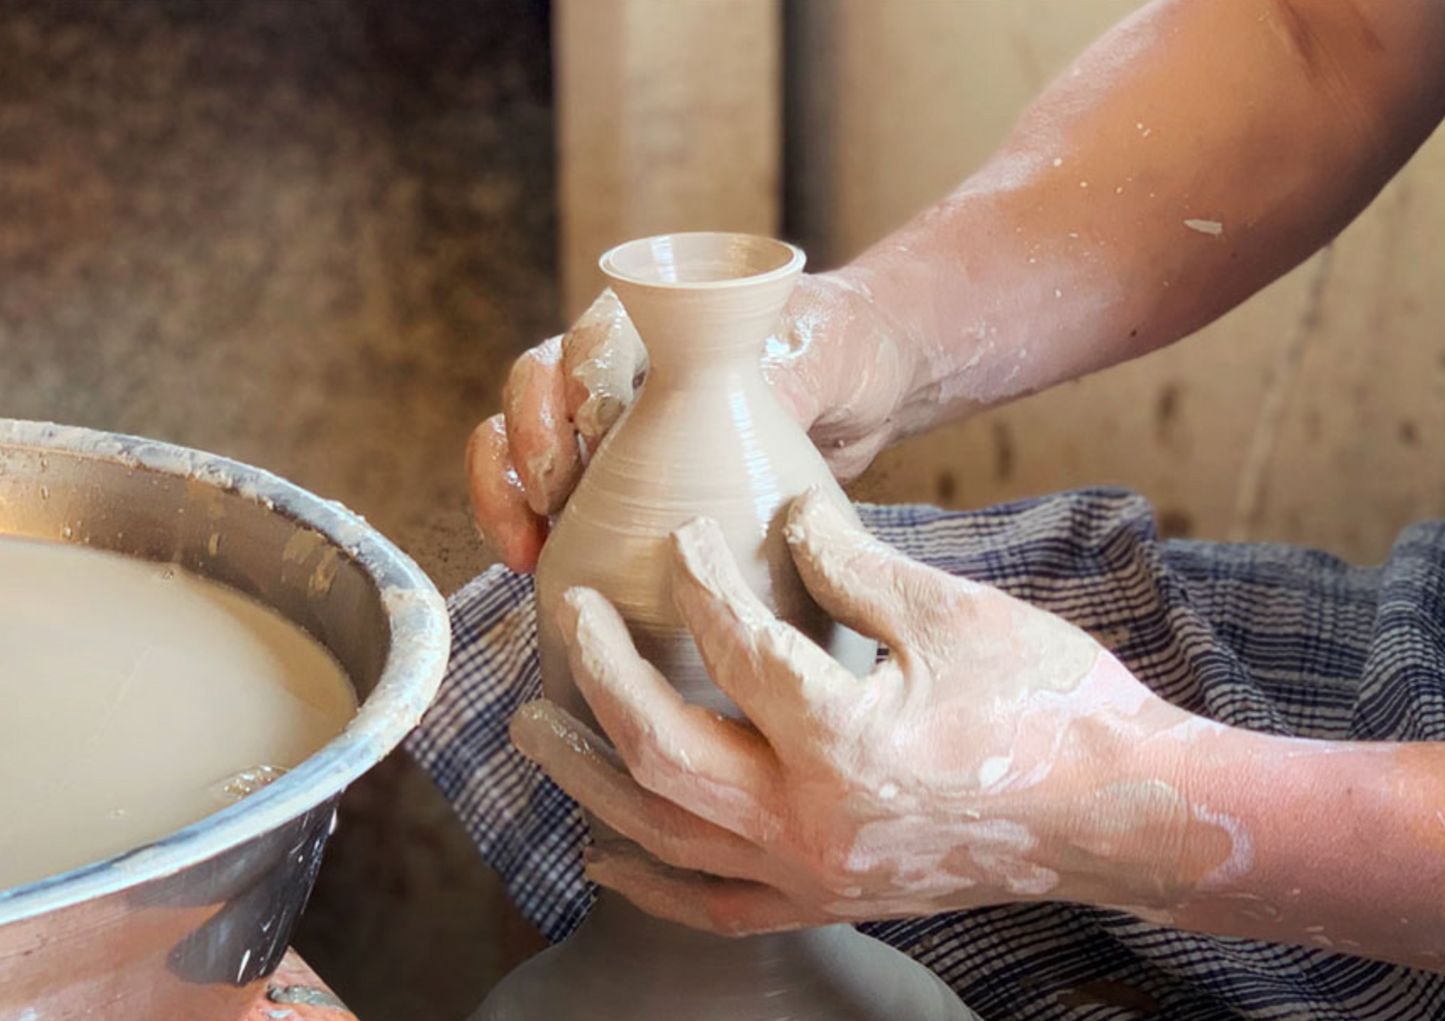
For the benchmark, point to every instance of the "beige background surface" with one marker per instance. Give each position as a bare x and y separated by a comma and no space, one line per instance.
668,119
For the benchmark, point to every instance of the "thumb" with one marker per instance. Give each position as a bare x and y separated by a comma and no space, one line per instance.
603,362
865,584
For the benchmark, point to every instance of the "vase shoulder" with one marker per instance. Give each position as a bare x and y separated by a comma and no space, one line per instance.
730,453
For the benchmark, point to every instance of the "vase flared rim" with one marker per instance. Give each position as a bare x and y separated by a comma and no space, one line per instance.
779,259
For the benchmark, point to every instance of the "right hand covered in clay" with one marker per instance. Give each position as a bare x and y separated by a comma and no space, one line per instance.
998,754
835,363
990,758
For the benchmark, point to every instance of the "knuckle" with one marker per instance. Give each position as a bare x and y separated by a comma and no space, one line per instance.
543,354
651,766
725,915
489,434
783,645
673,850
775,640
833,867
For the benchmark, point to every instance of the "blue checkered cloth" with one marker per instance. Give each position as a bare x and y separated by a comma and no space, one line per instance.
1269,637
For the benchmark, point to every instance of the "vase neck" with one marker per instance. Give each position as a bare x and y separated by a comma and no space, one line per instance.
703,299
684,329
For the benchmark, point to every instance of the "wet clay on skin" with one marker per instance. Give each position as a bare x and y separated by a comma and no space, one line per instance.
137,699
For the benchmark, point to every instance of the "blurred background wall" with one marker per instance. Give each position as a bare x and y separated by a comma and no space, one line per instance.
309,234
312,234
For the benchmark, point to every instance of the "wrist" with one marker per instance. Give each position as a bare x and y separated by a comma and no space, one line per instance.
1133,837
1008,287
1334,831
884,340
1345,846
844,367
962,294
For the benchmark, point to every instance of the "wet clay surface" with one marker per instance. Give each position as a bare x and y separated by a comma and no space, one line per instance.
139,699
295,993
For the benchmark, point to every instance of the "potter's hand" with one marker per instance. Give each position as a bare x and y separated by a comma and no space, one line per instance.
998,754
835,364
981,762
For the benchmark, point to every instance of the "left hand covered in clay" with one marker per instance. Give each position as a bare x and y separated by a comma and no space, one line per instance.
998,754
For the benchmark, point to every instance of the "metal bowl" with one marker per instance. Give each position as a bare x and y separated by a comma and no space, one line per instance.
191,925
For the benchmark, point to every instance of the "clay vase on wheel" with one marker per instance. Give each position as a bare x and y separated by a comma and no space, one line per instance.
707,437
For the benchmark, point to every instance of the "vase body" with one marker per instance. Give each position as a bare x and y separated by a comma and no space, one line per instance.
705,437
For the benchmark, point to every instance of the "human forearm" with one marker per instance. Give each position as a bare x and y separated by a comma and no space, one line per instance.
1337,845
1189,158
1195,153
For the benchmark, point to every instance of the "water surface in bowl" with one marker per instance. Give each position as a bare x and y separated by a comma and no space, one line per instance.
137,698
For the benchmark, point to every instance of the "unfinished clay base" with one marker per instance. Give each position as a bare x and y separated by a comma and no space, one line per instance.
624,966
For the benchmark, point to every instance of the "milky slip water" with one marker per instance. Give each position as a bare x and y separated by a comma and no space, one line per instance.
136,698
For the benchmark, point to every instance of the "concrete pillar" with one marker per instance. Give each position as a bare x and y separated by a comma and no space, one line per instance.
668,119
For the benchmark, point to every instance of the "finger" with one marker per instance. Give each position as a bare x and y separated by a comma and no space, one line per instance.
544,442
717,769
587,769
729,907
775,674
791,362
603,361
863,583
499,502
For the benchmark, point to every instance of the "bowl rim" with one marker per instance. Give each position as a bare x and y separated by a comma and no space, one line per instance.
420,642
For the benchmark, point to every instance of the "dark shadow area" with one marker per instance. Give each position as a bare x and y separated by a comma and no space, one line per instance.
311,235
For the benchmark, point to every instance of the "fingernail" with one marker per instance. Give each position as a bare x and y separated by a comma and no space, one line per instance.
698,546
796,528
529,726
820,505
685,565
570,610
696,532
589,621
